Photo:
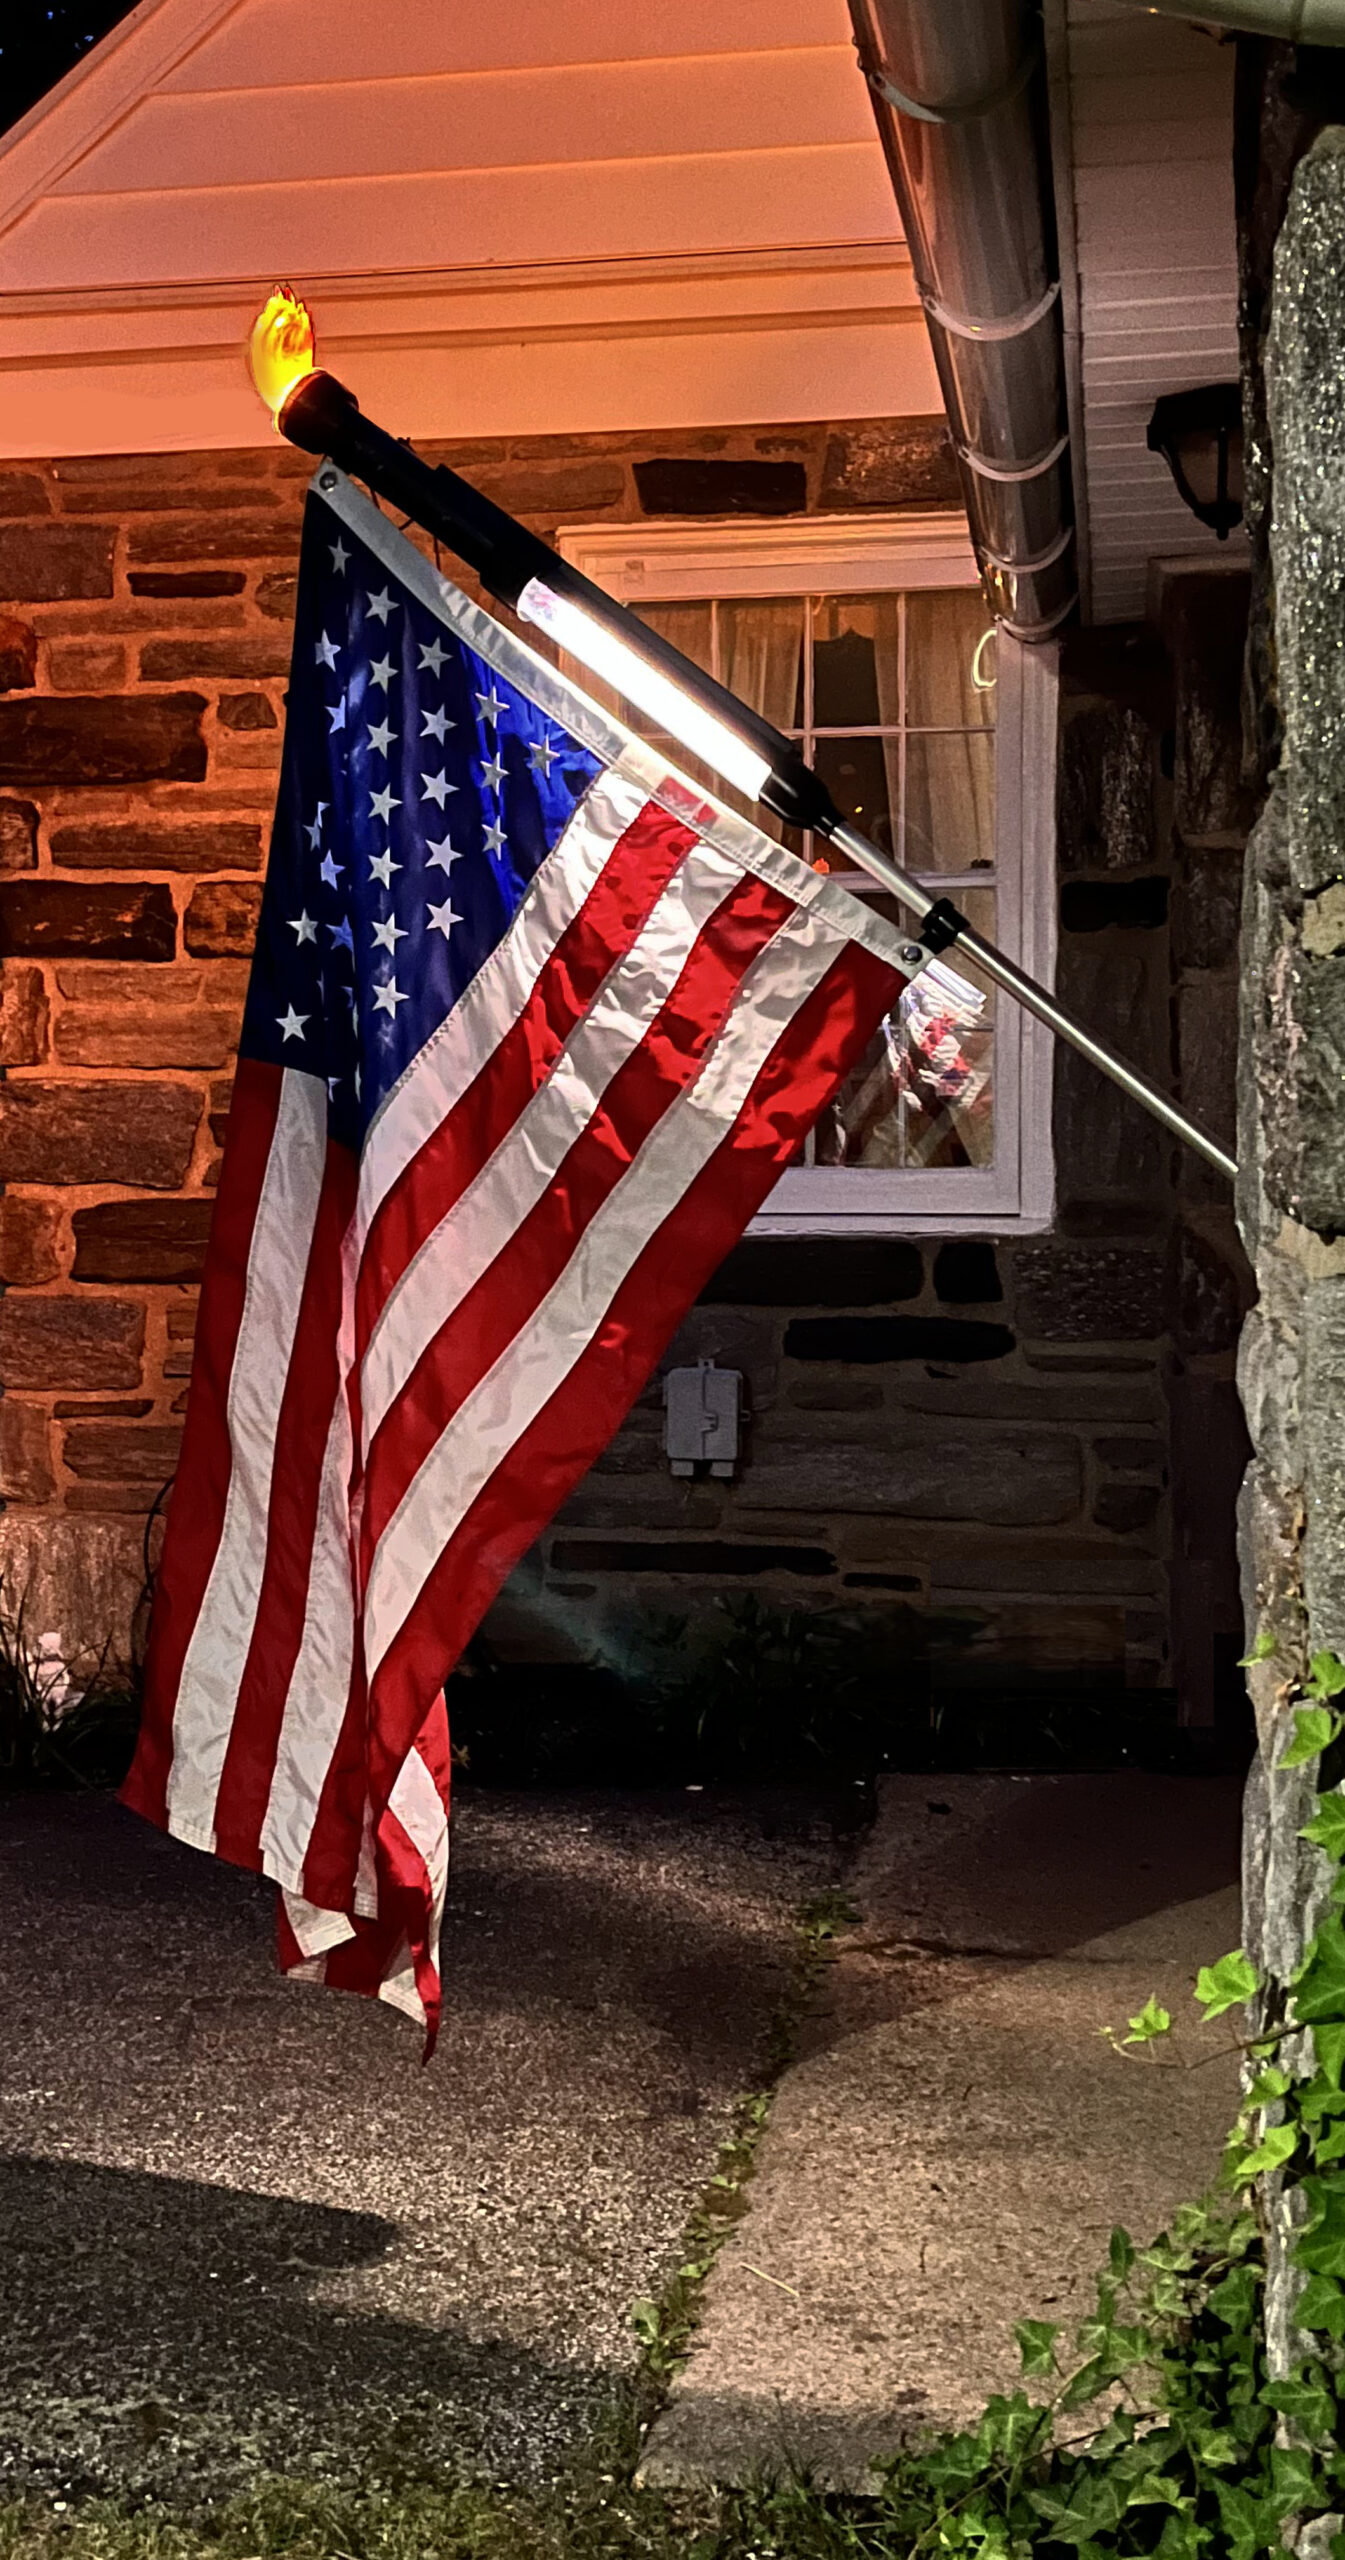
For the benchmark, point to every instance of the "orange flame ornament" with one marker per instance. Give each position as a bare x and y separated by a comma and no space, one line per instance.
280,348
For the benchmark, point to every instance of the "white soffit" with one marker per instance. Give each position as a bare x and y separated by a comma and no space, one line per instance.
532,219
1146,104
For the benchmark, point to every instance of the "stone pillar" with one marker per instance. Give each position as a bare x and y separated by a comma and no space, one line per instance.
1292,1097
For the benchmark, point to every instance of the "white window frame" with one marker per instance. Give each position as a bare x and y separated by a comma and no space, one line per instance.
691,560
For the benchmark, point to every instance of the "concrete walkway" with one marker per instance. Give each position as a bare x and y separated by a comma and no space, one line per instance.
241,2229
953,2147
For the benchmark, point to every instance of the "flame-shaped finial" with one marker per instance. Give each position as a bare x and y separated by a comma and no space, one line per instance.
280,348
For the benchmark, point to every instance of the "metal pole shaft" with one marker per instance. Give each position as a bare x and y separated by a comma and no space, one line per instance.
1035,999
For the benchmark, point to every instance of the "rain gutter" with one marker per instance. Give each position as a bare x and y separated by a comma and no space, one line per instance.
1292,21
960,101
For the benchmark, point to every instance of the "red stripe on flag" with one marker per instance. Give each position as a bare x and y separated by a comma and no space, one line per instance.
824,1040
201,1487
627,889
533,1254
311,1388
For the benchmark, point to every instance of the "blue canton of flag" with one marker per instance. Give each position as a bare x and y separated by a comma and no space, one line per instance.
420,793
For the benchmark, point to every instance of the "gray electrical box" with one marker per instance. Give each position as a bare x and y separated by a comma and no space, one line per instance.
703,1413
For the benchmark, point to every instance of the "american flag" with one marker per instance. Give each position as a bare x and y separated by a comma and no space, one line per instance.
532,1029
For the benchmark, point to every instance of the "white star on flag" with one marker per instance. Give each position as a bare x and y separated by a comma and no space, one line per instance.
443,919
314,832
432,655
382,867
387,997
493,837
340,556
336,713
380,736
382,803
330,871
304,926
493,774
442,856
434,724
342,937
325,652
490,705
541,756
436,787
381,673
381,605
291,1023
389,933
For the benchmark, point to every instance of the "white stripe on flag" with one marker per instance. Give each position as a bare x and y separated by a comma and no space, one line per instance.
277,1265
490,1212
543,1352
420,1809
454,1055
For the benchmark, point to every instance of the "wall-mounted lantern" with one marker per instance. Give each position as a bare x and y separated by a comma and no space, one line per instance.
1199,434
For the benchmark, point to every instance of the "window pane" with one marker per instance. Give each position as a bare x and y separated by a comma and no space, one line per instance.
862,776
923,1093
856,662
950,803
688,626
943,635
761,656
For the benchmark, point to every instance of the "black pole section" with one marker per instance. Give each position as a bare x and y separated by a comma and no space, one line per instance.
323,417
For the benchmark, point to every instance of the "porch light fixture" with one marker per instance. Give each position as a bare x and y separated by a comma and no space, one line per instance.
1199,434
322,417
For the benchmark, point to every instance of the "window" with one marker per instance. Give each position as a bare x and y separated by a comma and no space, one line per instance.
867,640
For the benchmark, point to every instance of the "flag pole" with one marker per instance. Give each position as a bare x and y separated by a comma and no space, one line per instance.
321,416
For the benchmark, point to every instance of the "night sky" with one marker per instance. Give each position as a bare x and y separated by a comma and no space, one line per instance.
40,40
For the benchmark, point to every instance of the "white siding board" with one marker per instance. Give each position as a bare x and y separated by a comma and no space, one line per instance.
1151,134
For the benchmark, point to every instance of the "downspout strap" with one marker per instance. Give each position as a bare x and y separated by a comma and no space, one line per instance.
959,110
1012,472
1015,324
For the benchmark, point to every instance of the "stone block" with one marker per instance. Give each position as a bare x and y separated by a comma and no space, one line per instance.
163,661
222,918
86,666
202,539
18,654
1204,621
1005,1479
49,1344
181,1335
206,844
1213,1289
967,1275
81,738
277,597
734,1337
51,563
60,918
23,493
25,1458
1207,1053
1126,1507
23,1016
174,584
569,485
123,1452
30,1240
1105,792
161,1036
139,1134
816,1271
18,835
246,711
1206,908
1089,1293
1105,1145
162,1240
704,1558
890,462
82,1578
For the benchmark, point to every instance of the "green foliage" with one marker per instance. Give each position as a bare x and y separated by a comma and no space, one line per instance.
1152,2020
48,1739
1229,1984
1315,1729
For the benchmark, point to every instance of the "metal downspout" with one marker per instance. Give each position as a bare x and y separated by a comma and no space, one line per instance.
959,96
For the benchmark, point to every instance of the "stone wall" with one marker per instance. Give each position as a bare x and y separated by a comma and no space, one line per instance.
1015,1441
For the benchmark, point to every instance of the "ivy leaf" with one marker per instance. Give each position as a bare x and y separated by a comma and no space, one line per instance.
1306,2403
1226,1985
1294,2481
1234,2301
1247,2528
1274,2148
1326,1676
1269,2086
1036,2344
1153,2020
1315,1729
1322,2244
1261,1651
1328,2040
1319,1984
1327,1827
1321,2305
1121,2249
